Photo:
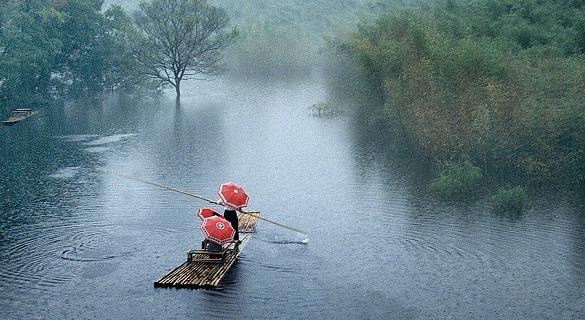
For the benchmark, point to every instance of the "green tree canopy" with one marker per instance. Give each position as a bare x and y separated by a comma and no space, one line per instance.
49,48
28,46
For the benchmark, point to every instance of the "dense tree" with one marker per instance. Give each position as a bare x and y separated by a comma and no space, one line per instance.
181,39
87,47
497,82
49,48
28,43
123,71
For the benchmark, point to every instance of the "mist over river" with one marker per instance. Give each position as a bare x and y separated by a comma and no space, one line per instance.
80,244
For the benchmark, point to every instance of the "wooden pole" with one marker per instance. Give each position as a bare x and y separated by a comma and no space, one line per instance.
251,213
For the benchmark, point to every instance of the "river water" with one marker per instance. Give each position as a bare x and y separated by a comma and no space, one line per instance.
80,244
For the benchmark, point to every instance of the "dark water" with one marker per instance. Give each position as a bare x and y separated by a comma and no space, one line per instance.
76,244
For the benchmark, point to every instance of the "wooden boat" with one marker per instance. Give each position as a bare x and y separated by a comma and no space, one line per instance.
205,269
19,115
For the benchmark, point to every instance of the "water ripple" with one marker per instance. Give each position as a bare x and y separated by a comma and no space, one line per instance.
36,252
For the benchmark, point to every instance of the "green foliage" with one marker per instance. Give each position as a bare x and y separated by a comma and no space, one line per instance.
123,72
499,82
457,179
510,199
84,58
28,43
49,48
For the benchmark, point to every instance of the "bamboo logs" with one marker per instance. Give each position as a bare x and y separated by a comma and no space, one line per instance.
203,271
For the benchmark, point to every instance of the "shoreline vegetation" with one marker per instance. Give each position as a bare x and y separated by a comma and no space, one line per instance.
492,88
64,49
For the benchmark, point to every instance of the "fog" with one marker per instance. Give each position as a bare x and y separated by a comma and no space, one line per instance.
282,39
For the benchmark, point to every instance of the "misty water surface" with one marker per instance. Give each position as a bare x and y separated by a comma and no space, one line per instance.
78,244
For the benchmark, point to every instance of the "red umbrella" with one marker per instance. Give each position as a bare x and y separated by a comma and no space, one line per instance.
233,195
218,230
207,213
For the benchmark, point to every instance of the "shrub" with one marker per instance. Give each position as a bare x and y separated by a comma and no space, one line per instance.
495,83
326,108
510,199
457,179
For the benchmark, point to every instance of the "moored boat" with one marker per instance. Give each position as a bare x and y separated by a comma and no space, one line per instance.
18,115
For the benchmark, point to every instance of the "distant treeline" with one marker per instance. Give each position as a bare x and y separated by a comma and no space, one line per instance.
284,38
57,48
492,84
50,48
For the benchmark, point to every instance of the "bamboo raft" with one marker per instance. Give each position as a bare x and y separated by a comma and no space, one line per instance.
19,115
204,269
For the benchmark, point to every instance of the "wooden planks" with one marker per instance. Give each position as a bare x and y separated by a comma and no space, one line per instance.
205,270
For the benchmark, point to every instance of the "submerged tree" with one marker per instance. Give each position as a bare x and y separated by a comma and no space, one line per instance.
180,40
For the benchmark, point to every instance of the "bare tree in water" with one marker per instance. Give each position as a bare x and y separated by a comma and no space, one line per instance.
180,39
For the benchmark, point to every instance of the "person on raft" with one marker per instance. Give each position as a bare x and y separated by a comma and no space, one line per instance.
211,246
231,215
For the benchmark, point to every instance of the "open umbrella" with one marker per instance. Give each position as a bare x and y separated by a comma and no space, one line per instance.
218,230
207,213
233,195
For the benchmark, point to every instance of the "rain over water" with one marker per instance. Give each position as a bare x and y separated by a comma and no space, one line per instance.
78,243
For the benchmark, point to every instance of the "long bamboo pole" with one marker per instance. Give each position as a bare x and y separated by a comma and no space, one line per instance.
251,213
